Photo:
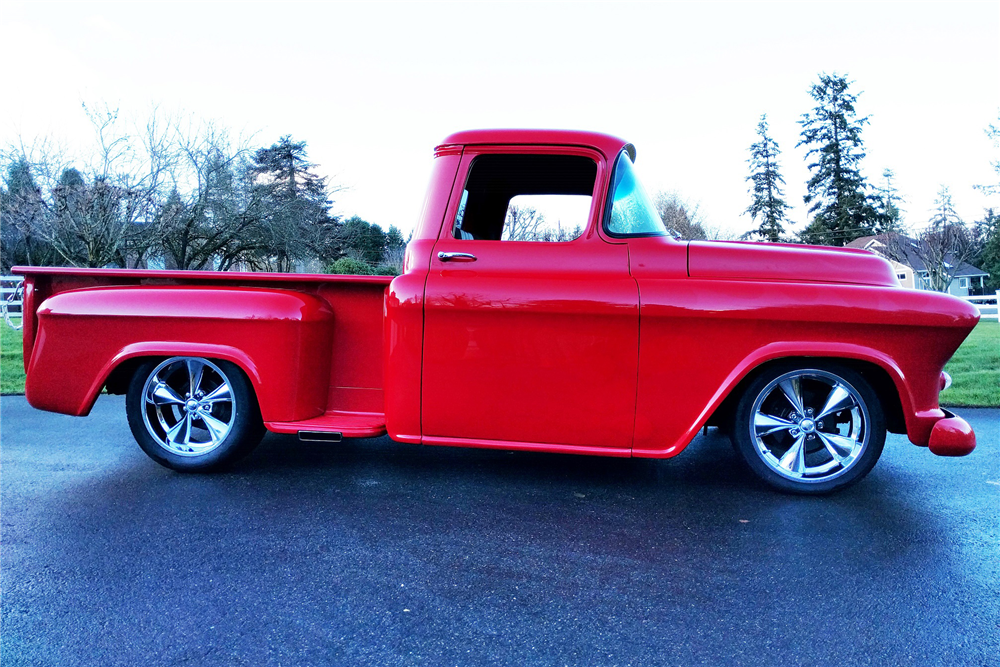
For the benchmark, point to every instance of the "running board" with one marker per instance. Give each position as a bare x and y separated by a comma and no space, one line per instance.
320,436
334,425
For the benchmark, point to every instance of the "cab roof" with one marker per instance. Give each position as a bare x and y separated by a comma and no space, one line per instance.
606,144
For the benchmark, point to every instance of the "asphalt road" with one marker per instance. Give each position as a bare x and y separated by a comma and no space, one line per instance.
376,553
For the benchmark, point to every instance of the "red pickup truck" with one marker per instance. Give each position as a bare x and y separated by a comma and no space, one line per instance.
611,339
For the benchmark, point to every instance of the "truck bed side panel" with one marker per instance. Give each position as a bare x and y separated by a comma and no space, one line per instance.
282,340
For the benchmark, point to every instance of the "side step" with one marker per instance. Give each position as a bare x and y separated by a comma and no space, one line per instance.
320,436
334,426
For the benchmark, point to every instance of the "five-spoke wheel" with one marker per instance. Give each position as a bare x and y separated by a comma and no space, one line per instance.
190,413
809,429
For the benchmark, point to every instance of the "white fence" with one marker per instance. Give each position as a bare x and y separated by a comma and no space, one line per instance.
10,300
989,306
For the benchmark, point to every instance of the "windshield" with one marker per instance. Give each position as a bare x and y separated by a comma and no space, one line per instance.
632,211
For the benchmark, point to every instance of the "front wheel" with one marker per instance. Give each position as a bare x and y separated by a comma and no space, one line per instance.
809,429
193,414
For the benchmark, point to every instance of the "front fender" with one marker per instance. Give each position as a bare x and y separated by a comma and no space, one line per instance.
917,391
281,339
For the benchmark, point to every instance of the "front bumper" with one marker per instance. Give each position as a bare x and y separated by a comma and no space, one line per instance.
952,436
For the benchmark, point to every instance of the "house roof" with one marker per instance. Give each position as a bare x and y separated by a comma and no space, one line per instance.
907,252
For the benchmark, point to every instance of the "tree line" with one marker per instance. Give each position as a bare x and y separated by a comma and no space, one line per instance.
181,196
844,206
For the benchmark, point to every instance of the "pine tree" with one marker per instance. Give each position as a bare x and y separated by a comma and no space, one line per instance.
363,240
25,219
837,192
888,201
945,244
988,256
944,211
294,203
394,239
768,203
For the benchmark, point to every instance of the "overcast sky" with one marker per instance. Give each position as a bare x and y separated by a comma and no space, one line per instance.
373,87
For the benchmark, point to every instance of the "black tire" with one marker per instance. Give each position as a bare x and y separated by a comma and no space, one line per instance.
796,453
193,430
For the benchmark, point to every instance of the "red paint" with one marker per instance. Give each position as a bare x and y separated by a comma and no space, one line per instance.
348,424
601,345
952,436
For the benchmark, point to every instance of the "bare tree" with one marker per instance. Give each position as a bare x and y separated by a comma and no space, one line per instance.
212,217
523,223
97,216
181,191
941,249
679,217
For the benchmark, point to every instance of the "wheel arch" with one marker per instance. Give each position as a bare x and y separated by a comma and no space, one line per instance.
119,371
877,376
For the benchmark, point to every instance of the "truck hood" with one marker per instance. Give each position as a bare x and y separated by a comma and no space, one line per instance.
740,260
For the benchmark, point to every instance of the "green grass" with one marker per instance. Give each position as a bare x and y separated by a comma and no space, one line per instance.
11,366
975,369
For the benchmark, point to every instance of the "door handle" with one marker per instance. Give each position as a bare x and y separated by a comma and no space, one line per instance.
456,257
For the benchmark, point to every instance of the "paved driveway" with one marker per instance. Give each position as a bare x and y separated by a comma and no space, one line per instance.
377,553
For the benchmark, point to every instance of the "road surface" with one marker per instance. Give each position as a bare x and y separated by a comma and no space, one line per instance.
371,552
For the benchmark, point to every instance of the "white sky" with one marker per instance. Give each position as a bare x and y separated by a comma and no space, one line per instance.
373,87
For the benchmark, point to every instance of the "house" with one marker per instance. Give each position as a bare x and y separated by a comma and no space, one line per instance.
905,255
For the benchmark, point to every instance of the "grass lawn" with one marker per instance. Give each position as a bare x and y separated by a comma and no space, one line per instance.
975,369
11,366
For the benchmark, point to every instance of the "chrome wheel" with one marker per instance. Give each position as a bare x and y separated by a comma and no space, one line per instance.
188,406
810,426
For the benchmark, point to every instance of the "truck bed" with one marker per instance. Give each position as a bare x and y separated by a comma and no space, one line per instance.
349,399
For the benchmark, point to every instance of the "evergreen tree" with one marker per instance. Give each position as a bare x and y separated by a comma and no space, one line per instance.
363,240
944,211
988,256
888,201
24,217
768,203
395,250
837,192
294,203
394,239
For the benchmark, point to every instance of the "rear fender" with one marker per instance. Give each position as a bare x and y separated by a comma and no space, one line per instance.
282,340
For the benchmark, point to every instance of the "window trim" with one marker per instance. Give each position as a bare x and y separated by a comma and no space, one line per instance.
472,153
609,204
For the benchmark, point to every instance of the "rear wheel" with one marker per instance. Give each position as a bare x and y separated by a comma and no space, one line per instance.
193,414
809,429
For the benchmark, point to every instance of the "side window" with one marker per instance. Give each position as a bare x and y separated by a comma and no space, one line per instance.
526,198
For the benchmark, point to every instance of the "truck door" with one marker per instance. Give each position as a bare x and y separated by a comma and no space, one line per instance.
531,319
